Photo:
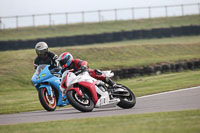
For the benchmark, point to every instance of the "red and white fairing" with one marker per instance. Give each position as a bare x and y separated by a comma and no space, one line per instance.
84,79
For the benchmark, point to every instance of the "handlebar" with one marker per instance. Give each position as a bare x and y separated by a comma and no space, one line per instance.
56,72
80,71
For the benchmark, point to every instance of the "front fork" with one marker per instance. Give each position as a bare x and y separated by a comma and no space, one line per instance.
60,101
49,89
76,89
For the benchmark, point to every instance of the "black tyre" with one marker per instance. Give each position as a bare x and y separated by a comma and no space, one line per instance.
127,102
84,104
48,102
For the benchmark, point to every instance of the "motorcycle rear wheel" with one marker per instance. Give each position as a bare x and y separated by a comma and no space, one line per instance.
127,102
85,104
48,102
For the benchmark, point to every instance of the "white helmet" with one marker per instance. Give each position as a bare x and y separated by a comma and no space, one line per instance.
41,48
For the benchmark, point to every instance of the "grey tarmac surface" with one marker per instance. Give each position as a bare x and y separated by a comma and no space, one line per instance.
184,99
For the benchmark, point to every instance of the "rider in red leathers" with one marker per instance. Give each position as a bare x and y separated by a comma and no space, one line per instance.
67,62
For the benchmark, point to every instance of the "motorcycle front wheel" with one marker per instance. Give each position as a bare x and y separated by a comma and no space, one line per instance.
48,102
84,103
127,102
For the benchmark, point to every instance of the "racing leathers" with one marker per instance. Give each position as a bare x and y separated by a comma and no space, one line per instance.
49,58
78,64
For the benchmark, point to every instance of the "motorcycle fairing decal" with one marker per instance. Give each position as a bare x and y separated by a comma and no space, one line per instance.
91,88
43,75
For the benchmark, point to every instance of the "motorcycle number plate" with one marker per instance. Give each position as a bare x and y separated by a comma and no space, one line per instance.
103,101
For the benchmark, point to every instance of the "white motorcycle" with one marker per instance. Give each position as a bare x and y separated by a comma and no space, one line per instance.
84,92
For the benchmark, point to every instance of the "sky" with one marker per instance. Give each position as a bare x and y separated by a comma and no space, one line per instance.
34,7
27,7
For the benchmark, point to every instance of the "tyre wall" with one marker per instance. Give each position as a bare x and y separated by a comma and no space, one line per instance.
103,38
157,69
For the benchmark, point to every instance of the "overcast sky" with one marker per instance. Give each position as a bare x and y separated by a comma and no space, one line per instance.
26,7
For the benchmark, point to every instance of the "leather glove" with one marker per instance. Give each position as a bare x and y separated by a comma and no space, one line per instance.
83,68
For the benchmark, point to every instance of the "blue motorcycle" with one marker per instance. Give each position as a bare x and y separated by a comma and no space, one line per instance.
47,82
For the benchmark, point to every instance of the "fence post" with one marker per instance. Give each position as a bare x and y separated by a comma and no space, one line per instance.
166,11
33,16
83,16
133,13
99,14
182,9
66,15
149,12
0,23
115,10
17,22
199,7
49,19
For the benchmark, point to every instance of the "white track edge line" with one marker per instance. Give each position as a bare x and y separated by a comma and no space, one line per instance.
167,92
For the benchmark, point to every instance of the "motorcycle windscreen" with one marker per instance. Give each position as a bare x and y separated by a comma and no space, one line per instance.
39,69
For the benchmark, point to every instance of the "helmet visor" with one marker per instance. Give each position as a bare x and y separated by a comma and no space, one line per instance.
41,53
64,61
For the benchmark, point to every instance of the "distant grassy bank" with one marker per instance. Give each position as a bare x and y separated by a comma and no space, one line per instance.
95,28
17,66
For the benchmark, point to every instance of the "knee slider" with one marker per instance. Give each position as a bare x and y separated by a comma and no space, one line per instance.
98,72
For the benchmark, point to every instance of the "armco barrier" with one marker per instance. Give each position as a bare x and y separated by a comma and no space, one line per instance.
102,38
157,69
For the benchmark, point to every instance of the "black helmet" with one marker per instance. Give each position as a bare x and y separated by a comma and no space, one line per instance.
41,49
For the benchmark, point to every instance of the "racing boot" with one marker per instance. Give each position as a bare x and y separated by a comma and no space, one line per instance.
117,89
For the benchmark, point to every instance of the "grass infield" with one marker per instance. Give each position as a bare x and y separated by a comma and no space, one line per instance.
163,122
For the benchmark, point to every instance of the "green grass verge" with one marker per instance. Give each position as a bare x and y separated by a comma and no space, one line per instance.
163,122
160,83
96,28
27,100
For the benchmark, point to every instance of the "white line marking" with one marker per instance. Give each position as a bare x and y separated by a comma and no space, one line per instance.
162,93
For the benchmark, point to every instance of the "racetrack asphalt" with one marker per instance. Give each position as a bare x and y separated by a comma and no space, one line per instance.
184,99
